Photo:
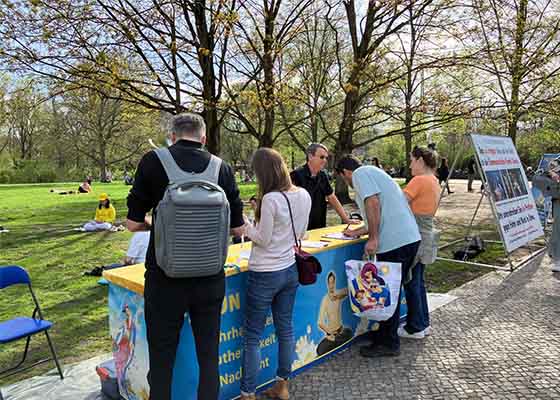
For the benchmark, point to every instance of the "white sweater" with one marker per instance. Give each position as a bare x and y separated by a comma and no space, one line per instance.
272,237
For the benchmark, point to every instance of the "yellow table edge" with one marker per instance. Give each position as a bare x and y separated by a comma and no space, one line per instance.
132,277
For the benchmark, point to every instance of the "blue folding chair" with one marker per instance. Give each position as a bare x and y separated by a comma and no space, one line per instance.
23,327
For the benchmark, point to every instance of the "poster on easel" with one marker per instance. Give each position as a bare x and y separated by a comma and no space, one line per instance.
508,190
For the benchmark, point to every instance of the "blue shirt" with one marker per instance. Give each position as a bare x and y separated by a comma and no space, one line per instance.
397,226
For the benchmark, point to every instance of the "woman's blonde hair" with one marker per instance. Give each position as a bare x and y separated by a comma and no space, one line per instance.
272,174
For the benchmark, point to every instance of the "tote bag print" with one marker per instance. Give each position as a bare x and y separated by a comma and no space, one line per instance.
373,288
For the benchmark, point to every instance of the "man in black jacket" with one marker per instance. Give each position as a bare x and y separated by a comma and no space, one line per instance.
167,300
313,178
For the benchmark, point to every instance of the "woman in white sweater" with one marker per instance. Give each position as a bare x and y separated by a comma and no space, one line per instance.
273,278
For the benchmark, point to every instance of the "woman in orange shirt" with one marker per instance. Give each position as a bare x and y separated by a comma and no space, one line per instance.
423,193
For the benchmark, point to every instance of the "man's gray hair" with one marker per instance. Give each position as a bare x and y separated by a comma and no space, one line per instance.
312,149
188,125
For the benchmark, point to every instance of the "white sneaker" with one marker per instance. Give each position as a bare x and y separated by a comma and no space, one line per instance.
556,266
405,335
427,331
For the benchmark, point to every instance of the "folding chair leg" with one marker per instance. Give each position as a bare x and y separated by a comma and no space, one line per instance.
7,372
54,355
24,353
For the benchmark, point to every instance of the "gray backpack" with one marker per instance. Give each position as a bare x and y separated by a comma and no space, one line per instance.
191,229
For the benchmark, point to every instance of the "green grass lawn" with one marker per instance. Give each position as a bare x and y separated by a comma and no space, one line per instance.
41,240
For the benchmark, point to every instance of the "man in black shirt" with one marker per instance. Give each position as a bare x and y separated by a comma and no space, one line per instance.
167,300
312,178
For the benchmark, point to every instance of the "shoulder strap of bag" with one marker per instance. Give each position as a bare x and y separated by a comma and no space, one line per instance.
212,171
174,173
298,243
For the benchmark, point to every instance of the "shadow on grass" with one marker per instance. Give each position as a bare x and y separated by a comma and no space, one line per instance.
85,303
42,236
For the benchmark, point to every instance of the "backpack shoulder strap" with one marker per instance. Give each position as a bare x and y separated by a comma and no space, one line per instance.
174,173
212,171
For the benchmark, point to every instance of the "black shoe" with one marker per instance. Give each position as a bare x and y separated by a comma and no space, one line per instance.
372,351
450,192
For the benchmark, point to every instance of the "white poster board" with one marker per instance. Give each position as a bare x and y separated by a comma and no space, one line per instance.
507,185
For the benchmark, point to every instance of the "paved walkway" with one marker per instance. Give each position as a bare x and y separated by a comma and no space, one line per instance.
499,340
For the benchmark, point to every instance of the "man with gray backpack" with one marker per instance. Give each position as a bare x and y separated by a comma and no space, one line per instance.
195,202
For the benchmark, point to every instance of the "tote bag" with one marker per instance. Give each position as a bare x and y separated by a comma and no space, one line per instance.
373,288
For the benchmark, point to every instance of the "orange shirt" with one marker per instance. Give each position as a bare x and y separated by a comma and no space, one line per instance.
423,194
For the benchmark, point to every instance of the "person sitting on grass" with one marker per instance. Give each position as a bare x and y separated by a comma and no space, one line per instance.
105,215
85,187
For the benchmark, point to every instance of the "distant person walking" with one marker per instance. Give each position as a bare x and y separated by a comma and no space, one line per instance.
443,174
272,280
471,173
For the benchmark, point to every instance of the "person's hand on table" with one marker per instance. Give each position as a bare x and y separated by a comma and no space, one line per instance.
354,233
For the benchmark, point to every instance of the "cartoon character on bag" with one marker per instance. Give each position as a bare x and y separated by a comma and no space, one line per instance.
370,291
364,301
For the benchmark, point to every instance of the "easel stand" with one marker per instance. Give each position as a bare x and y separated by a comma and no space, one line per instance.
510,266
535,251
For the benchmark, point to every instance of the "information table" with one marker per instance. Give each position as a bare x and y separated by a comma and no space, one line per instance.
313,307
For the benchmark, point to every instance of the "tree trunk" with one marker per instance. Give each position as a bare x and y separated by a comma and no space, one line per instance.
206,61
268,69
344,143
265,140
408,139
103,163
213,139
516,70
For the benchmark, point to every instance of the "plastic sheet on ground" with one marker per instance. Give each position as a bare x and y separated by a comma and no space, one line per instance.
80,383
436,300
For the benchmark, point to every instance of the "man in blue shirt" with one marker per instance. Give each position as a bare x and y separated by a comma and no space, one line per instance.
393,235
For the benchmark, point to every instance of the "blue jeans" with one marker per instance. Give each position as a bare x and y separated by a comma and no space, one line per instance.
418,316
265,290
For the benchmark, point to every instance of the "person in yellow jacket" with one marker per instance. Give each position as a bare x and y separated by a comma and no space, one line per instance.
105,215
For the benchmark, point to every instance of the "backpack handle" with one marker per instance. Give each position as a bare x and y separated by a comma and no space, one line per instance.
187,185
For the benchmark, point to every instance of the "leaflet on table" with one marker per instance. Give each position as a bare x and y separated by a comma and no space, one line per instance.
338,236
311,244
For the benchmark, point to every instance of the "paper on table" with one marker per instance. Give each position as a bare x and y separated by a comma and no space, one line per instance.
313,244
338,236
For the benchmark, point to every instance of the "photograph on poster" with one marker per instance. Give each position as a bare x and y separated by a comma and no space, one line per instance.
330,317
506,184
545,161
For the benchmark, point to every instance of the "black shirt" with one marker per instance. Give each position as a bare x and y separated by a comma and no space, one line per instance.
151,181
318,187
